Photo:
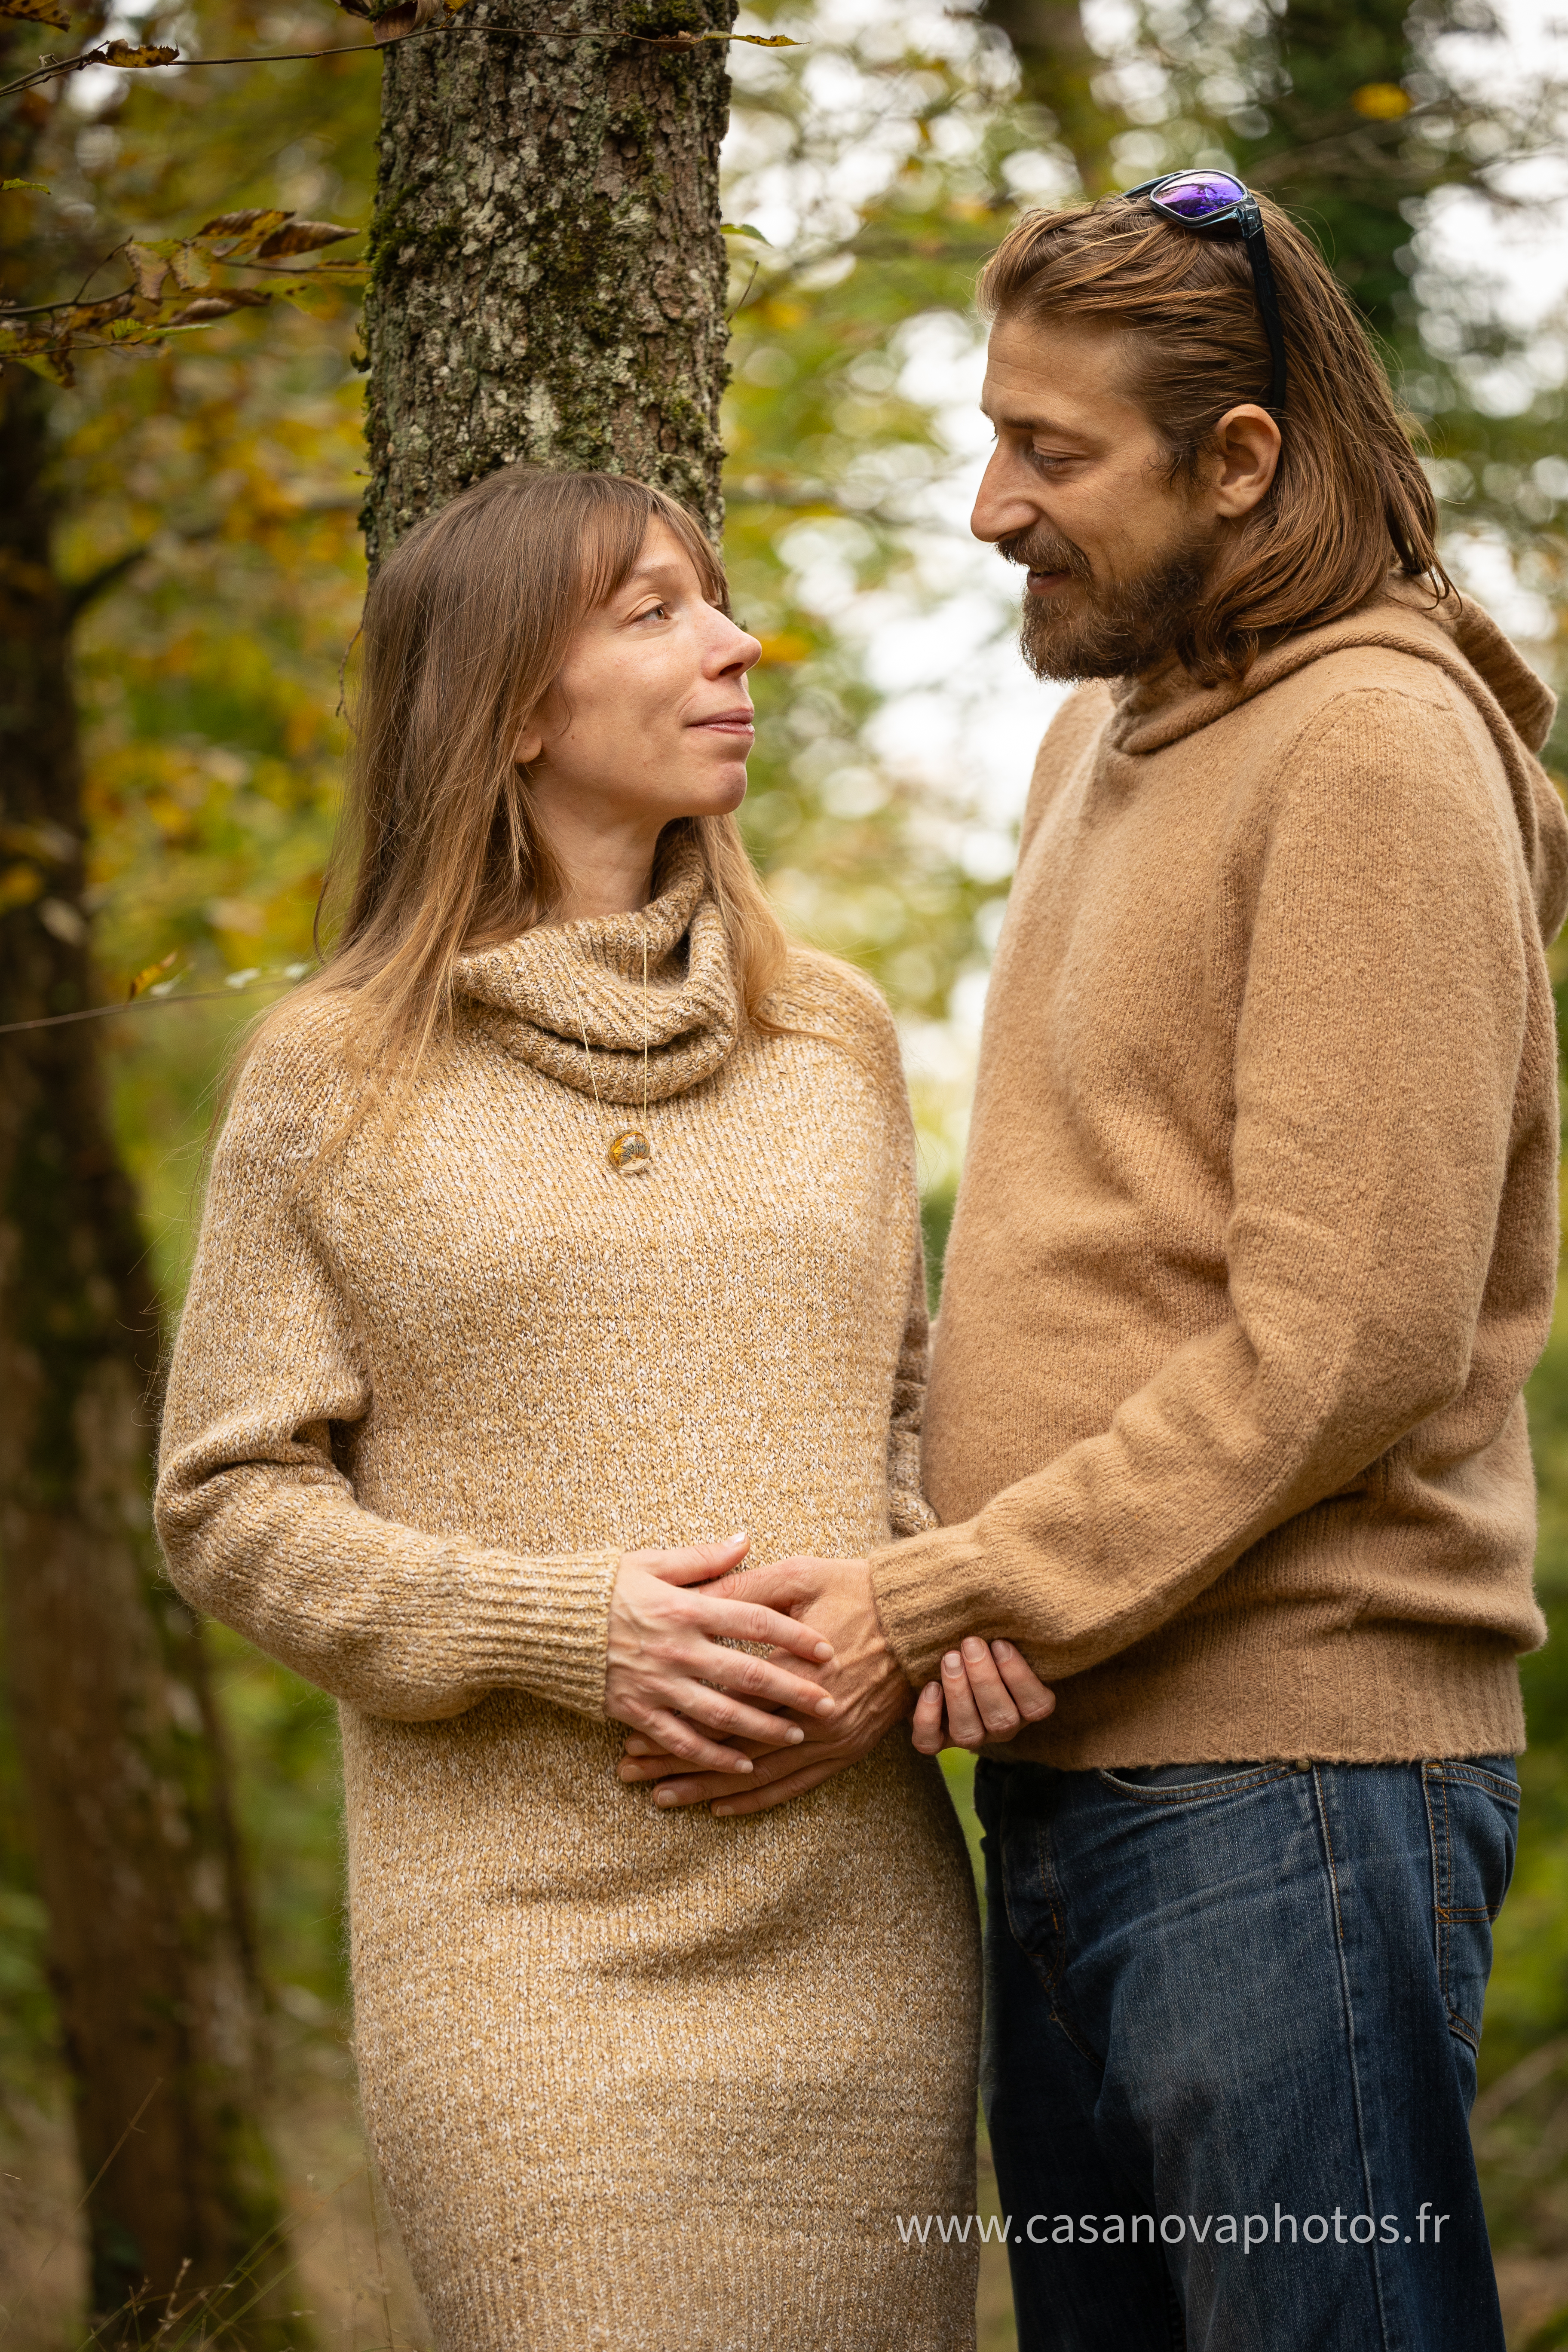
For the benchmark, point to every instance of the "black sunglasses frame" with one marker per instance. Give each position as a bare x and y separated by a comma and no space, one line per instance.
1245,215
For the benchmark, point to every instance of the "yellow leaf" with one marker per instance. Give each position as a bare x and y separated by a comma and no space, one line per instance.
191,268
1382,101
137,53
145,979
19,885
782,647
38,12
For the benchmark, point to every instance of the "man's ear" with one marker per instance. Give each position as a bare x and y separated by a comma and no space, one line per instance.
1247,443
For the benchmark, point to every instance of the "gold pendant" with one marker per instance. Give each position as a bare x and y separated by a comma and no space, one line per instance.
630,1151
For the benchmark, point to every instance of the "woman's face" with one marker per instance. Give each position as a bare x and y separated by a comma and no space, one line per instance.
649,718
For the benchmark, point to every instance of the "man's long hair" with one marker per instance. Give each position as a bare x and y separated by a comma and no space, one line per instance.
1350,502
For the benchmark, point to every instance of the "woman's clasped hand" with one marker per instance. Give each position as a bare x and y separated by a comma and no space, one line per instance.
670,1682
669,1677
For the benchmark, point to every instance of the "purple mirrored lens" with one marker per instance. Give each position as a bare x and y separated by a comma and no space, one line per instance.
1196,196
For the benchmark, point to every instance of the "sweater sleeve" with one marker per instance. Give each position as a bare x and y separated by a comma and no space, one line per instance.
1378,1045
260,1525
908,1510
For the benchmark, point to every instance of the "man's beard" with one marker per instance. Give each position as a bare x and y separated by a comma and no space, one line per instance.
1114,631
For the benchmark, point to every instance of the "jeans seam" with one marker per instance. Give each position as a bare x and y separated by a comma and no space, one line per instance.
1348,2006
1438,1838
1050,1978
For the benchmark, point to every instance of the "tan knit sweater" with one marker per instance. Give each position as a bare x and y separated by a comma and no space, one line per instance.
1256,1238
634,2078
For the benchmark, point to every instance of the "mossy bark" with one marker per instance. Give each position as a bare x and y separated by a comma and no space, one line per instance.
548,275
122,1767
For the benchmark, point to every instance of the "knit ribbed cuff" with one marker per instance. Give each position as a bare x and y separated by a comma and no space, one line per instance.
540,1624
930,1592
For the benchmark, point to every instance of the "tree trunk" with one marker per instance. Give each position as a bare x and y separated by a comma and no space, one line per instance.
149,1956
547,275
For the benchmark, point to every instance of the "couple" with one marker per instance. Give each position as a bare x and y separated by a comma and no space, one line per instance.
570,1215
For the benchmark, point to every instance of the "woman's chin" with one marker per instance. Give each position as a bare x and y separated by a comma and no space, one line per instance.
719,795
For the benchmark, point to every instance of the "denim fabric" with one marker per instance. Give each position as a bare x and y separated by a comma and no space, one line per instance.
1231,2013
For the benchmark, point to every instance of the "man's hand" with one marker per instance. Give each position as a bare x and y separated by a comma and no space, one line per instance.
986,1695
864,1677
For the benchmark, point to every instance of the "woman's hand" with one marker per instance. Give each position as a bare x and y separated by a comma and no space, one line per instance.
986,1694
667,1673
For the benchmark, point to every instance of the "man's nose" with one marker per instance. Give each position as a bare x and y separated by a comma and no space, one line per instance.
1005,503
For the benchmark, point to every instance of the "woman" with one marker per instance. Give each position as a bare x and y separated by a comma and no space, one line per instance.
567,1216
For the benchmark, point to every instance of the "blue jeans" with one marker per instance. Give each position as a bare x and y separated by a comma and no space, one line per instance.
1231,2013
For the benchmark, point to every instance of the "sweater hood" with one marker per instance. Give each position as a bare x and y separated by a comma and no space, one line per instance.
569,999
1167,705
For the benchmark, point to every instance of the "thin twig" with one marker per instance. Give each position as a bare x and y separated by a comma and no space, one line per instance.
139,1004
379,48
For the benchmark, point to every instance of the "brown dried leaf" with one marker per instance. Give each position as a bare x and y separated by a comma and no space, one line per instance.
149,269
137,53
396,23
241,232
302,237
84,315
38,12
355,7
217,306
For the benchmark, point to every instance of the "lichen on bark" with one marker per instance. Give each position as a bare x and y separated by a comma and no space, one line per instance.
547,272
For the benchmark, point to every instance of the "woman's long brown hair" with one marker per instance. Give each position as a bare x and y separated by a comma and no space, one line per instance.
466,626
1350,502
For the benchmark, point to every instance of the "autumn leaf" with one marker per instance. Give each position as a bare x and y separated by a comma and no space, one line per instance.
241,232
149,269
217,306
36,12
145,979
1381,101
5,185
299,236
409,16
134,53
191,268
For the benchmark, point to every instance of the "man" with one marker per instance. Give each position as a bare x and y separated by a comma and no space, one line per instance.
1255,1249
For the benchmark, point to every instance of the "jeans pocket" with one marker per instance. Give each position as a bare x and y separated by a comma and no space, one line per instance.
1472,1812
1190,1784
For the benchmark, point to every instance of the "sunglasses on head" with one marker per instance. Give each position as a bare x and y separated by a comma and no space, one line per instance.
1218,200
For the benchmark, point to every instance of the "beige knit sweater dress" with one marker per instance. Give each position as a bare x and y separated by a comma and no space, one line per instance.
638,2079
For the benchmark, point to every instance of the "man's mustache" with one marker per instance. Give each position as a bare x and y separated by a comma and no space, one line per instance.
1041,551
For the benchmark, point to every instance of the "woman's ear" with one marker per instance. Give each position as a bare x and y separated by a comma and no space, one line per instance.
529,744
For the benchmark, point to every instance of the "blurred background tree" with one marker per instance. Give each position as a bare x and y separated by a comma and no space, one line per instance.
868,174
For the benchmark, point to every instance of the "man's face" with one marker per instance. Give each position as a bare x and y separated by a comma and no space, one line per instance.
1078,490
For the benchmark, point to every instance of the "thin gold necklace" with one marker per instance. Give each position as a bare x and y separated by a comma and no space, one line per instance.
629,1152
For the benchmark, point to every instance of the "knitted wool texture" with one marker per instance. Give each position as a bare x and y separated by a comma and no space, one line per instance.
1257,1237
634,2078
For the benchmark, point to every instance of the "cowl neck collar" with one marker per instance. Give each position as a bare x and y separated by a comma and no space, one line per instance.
540,995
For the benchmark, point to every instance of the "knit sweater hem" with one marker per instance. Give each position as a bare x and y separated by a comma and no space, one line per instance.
1378,1694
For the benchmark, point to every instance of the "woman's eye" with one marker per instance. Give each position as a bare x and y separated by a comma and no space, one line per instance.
654,612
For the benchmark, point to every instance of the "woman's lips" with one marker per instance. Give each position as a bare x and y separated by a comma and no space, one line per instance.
729,722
